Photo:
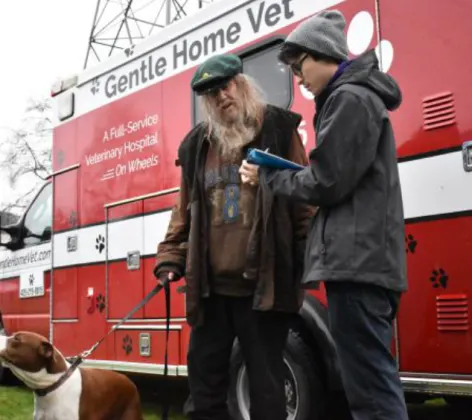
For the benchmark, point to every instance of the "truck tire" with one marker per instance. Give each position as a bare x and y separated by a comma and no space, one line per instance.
304,386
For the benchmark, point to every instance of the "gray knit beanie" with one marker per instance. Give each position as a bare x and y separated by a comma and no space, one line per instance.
322,33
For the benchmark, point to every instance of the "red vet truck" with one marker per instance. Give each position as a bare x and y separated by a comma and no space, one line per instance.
82,254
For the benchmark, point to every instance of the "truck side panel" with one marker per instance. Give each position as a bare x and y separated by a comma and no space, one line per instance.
426,56
17,315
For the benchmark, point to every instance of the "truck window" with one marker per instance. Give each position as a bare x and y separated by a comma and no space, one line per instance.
38,219
273,78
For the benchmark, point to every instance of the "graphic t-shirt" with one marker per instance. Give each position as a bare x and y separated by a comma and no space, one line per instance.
231,211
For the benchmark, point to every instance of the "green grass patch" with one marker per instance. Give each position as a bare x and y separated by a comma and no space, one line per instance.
16,403
436,402
153,412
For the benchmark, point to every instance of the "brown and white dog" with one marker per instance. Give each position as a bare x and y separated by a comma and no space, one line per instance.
87,394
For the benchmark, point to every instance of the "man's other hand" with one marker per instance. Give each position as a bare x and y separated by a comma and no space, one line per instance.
249,173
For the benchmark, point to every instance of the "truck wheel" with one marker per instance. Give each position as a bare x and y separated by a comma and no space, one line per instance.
304,385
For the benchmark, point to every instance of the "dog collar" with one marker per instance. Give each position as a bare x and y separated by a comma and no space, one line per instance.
68,373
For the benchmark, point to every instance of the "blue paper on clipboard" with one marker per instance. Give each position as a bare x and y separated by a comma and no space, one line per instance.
268,160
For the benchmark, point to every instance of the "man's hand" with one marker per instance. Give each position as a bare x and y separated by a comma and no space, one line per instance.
166,275
249,173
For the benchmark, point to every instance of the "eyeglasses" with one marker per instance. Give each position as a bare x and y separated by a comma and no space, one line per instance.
214,91
297,66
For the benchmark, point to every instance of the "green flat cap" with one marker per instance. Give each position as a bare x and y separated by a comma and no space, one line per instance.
215,72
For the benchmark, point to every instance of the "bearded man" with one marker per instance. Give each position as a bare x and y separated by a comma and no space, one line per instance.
239,247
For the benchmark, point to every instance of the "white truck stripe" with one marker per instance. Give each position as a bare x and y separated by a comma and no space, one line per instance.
432,186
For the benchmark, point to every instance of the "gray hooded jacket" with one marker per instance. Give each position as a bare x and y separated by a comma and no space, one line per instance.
358,233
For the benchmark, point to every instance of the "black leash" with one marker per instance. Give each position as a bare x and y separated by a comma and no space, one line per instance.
164,284
146,299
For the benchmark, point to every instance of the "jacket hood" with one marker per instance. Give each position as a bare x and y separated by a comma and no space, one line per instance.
364,71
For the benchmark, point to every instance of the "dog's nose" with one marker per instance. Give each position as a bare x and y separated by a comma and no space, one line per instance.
3,342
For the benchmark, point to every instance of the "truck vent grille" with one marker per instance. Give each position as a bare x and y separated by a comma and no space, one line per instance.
439,111
452,313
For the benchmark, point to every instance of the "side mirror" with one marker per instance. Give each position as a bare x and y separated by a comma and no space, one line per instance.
47,234
10,237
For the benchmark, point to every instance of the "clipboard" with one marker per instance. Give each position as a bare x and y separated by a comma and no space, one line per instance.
268,160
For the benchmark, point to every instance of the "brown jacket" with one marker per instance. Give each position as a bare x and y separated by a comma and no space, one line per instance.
276,245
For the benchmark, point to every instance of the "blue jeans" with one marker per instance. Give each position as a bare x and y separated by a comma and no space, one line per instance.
360,317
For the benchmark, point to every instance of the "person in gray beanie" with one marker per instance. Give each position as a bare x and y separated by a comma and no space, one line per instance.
321,34
356,241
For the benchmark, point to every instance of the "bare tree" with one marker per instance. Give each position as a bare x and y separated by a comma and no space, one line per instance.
26,155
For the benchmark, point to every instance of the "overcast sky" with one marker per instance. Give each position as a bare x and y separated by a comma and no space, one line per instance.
42,40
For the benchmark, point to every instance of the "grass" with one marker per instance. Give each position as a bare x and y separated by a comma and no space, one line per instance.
16,403
436,402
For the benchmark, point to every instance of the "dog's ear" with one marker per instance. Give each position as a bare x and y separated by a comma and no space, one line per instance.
46,350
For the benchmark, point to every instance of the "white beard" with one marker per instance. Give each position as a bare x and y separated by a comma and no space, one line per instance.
230,139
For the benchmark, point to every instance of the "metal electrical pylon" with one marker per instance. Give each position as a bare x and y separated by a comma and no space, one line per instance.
119,24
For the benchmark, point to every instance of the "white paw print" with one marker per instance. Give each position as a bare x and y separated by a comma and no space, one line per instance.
359,36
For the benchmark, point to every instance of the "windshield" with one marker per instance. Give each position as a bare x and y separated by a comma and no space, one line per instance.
38,219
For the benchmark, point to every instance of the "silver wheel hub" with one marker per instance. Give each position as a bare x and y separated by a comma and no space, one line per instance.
291,392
